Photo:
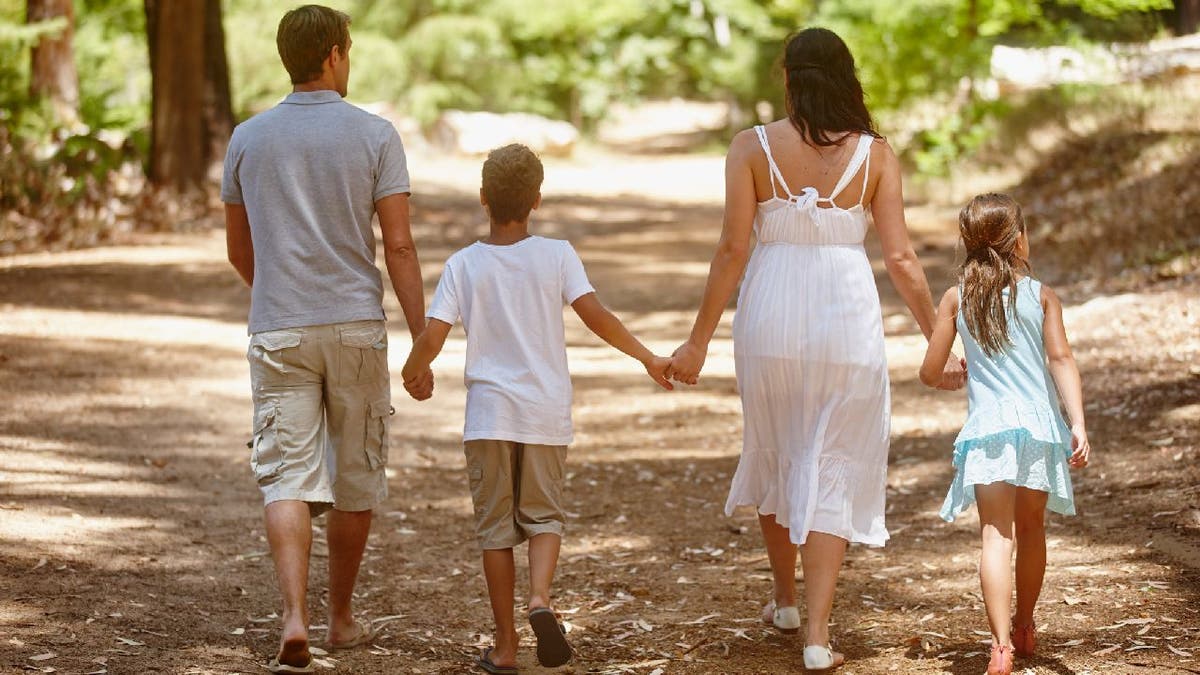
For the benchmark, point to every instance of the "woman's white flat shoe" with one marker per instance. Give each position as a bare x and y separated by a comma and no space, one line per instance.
820,658
784,619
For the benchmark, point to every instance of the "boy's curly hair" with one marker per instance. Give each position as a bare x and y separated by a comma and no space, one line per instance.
512,180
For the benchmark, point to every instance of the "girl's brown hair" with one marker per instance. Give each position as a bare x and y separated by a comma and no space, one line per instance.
990,227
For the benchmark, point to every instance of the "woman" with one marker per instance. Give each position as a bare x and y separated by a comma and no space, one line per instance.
808,333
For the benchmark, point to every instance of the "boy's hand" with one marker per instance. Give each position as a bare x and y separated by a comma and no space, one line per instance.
1080,446
420,385
656,367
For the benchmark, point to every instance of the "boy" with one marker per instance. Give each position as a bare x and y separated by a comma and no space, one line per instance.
509,290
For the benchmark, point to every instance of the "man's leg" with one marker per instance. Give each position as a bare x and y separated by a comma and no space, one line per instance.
347,535
289,532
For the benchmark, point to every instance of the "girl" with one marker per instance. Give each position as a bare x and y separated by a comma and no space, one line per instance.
1012,454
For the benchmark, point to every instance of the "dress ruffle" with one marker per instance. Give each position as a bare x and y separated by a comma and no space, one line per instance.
1043,422
1015,456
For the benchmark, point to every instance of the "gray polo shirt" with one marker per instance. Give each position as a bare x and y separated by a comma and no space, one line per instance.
309,172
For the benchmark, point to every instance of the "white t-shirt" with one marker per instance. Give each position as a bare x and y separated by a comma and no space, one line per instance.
511,302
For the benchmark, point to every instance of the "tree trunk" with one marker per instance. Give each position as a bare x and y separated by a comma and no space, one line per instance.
191,115
1187,16
52,71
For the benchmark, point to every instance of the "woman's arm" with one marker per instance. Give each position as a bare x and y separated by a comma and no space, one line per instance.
903,267
729,260
1065,373
941,341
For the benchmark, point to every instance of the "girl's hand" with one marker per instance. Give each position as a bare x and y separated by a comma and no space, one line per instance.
686,363
954,375
1080,446
658,367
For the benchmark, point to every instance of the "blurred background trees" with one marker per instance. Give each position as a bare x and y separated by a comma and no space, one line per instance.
91,88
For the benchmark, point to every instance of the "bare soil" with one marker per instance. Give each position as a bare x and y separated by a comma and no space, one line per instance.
130,528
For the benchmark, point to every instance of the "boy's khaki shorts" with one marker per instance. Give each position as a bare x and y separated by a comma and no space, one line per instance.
517,490
321,405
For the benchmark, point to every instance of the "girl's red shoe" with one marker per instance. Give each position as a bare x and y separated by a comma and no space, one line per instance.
1024,640
1002,660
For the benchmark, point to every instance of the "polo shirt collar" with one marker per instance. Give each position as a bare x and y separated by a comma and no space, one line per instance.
313,97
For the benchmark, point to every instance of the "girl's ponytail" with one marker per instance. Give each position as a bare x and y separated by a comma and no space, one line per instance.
990,225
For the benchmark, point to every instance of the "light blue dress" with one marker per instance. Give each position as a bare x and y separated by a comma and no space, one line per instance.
1015,430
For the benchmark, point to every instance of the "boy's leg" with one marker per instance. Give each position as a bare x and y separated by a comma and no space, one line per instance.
1030,525
996,504
543,559
539,513
501,574
491,470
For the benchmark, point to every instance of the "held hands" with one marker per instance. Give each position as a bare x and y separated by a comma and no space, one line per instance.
954,375
658,367
686,363
418,385
1080,446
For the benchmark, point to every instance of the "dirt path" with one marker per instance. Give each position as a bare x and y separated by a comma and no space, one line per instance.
130,532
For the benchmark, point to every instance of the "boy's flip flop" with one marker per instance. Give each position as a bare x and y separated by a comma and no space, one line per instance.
485,661
275,666
365,634
553,650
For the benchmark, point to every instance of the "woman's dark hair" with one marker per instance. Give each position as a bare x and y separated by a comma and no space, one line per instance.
824,96
990,227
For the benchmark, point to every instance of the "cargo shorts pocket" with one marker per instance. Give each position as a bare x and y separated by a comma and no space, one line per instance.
363,353
266,456
266,354
376,441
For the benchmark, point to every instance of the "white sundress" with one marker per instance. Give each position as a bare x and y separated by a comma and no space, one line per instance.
809,355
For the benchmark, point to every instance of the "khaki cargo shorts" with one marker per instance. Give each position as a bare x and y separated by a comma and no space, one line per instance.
322,400
517,490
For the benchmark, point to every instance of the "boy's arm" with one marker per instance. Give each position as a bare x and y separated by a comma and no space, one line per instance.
418,378
941,340
1065,373
610,329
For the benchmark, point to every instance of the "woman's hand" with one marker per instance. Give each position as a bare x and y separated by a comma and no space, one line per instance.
686,363
954,375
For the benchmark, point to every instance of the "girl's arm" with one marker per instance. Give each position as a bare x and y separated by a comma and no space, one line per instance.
903,266
941,341
610,329
729,260
418,378
1065,374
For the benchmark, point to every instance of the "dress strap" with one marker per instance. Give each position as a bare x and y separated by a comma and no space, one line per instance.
862,152
776,175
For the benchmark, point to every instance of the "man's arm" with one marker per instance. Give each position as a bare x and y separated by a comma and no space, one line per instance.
400,253
238,242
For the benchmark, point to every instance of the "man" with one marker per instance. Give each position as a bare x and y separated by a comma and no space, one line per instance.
301,183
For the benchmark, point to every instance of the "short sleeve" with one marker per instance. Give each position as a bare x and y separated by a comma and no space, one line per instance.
575,283
444,306
231,184
391,175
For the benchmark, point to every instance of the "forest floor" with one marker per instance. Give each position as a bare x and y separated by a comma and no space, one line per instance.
131,537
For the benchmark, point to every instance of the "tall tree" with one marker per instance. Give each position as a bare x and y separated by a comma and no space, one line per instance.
52,73
191,115
1187,16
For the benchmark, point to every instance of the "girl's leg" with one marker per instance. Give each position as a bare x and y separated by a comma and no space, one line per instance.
782,554
996,503
821,557
1030,524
